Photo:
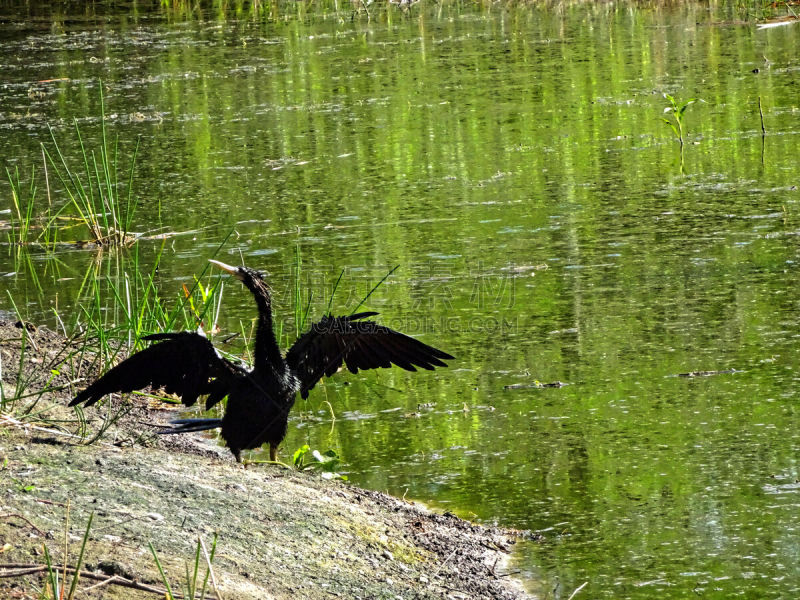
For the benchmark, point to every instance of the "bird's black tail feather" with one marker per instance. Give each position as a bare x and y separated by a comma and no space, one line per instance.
187,425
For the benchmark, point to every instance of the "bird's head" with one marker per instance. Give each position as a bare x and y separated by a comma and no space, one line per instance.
253,280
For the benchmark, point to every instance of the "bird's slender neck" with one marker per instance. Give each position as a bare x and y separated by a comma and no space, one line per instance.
267,353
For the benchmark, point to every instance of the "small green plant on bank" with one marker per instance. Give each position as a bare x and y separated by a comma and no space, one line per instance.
326,463
189,586
677,110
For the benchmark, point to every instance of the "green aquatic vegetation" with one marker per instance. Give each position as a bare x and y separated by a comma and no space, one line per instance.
300,312
99,194
757,10
677,110
118,311
22,202
101,202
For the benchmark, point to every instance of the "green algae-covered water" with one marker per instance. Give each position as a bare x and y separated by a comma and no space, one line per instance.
547,228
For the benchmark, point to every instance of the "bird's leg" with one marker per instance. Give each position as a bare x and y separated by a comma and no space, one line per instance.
273,453
238,455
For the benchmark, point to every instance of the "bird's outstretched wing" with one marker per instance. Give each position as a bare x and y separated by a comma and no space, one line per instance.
359,345
182,363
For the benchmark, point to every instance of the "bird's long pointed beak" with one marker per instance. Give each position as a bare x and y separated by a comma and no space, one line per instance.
227,268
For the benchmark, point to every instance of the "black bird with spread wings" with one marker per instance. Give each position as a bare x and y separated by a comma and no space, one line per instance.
259,399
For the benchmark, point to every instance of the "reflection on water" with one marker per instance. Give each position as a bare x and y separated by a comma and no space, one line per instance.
514,164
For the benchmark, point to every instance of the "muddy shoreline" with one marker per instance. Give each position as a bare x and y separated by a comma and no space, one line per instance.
281,533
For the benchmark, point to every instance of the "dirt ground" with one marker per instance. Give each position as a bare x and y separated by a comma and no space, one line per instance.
281,533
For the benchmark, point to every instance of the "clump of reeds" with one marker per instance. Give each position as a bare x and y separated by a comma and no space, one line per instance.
99,197
94,191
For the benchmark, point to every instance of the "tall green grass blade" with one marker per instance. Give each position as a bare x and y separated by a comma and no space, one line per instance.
377,285
333,292
130,206
74,586
247,344
105,205
23,209
191,580
210,560
110,186
164,579
52,574
307,310
90,204
297,297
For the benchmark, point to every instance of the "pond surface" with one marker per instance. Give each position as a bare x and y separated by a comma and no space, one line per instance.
514,164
